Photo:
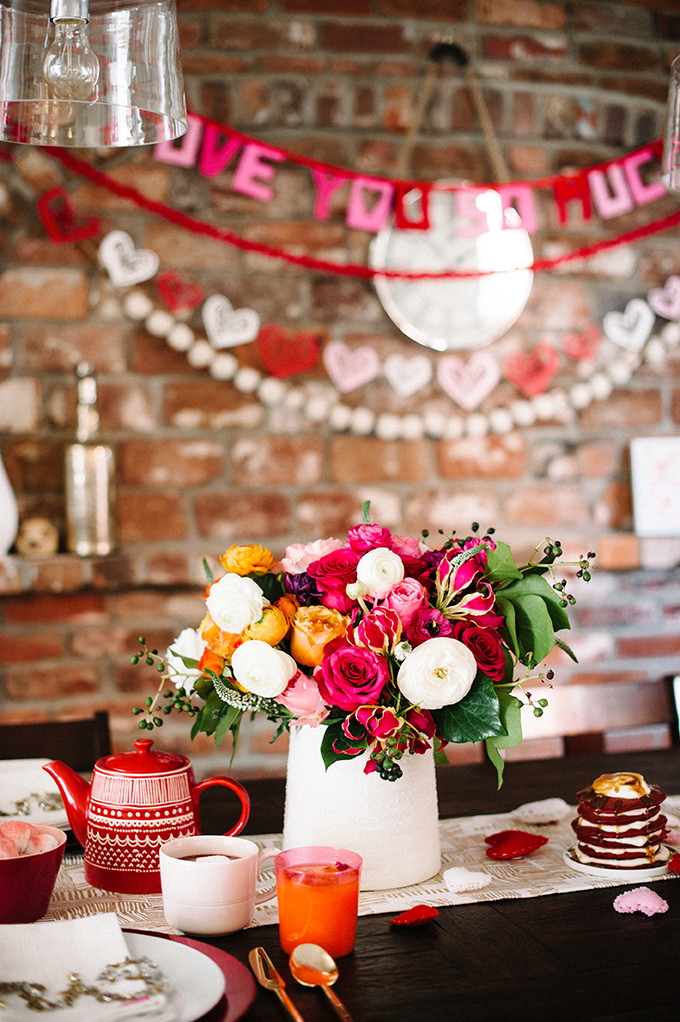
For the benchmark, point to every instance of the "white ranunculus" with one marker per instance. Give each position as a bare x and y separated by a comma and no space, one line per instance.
262,669
234,602
437,673
379,570
190,644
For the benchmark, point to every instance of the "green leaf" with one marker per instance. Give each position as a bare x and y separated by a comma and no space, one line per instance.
271,585
567,649
208,572
536,585
334,735
229,718
509,629
510,709
366,513
211,713
500,565
475,717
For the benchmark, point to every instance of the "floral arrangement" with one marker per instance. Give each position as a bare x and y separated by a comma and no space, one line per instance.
391,646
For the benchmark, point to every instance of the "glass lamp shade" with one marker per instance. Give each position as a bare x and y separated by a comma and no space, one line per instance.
670,160
127,91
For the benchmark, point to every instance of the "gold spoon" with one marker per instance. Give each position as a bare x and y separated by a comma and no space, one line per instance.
311,966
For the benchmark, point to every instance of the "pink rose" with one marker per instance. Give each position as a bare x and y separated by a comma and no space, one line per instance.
379,630
406,546
350,676
367,537
299,556
303,699
406,597
485,646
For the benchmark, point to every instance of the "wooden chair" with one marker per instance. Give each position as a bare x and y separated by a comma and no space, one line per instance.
78,743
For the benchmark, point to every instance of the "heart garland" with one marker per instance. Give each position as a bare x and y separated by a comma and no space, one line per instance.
468,383
60,220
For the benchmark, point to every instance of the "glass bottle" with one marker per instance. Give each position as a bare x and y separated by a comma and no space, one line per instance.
89,477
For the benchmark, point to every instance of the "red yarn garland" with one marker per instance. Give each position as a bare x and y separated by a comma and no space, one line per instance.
326,266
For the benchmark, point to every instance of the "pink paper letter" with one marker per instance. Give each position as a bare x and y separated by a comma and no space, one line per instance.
251,171
641,192
469,210
619,200
213,157
326,186
184,154
357,214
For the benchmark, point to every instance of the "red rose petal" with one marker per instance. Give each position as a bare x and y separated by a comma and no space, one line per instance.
414,916
513,844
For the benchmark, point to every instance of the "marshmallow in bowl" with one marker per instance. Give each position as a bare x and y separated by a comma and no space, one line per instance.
20,838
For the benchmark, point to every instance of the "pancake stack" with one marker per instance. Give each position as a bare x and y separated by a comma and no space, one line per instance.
620,825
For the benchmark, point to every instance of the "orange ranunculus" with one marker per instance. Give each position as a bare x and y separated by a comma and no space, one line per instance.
288,604
310,630
222,643
211,661
244,560
271,628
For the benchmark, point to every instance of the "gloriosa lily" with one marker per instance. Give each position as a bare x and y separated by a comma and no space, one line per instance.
457,574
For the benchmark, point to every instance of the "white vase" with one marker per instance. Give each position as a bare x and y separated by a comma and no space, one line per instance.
9,514
393,825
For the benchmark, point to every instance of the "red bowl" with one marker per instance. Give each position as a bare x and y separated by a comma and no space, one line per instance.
27,881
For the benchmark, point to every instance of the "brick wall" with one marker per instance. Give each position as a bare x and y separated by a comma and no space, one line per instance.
202,464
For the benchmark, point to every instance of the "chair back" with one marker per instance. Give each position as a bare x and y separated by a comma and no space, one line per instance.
78,743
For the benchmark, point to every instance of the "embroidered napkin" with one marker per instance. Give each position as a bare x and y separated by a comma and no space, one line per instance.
48,953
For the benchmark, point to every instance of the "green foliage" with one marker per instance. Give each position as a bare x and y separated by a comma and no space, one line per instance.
475,717
510,709
532,612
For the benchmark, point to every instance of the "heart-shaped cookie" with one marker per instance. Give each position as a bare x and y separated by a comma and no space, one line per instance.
468,383
125,264
350,368
285,353
632,327
407,374
179,295
583,346
665,301
61,221
532,373
227,326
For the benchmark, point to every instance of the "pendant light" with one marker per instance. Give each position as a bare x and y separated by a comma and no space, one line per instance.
90,73
670,160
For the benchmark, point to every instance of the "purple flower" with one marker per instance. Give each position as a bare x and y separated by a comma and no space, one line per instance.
428,623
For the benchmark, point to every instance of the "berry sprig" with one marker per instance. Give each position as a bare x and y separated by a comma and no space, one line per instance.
175,698
553,550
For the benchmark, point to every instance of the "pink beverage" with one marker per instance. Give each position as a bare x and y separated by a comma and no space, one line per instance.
318,895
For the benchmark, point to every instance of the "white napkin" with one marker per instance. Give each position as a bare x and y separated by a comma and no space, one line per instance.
47,953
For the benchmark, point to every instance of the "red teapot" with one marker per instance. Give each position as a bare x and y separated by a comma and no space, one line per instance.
136,802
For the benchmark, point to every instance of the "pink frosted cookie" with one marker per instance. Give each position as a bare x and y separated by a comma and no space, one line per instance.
641,899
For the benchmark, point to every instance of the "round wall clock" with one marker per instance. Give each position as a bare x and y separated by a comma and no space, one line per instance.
456,313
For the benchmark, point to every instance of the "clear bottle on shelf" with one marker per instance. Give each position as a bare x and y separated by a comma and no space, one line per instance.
89,477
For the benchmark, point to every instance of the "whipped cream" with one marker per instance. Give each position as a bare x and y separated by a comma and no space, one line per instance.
621,785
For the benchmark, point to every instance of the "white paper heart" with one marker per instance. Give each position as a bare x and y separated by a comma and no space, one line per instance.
468,383
350,368
227,326
630,328
666,300
405,374
125,264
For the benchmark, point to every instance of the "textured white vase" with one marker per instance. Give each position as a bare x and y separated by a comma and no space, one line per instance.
393,825
9,514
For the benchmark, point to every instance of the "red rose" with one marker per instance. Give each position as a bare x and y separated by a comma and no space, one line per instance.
485,646
350,676
332,573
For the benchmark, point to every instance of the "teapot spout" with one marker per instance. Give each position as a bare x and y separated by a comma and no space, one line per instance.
75,793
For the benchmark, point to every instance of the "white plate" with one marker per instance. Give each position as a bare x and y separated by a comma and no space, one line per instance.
24,779
197,981
609,872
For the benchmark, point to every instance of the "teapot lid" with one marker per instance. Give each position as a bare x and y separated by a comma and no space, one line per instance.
143,760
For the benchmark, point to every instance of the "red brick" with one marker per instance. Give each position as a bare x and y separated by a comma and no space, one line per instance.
632,407
72,607
367,459
454,10
550,506
523,47
147,605
43,293
210,404
47,683
35,464
648,646
150,178
59,349
618,552
362,37
491,457
41,646
520,13
278,459
246,516
188,251
61,574
104,641
608,55
171,463
614,509
150,516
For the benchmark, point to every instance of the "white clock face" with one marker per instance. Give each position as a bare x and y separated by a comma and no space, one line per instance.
457,313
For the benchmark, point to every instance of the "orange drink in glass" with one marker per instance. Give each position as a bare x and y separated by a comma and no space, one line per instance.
318,894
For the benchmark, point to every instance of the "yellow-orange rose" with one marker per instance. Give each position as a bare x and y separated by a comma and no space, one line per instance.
244,560
272,627
288,604
222,643
310,630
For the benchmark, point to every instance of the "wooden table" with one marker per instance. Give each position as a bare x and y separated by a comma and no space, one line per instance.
566,956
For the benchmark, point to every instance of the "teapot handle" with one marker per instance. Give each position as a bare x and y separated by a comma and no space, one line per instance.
243,795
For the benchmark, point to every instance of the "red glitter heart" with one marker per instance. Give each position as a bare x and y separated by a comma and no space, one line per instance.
285,354
582,346
513,844
674,863
532,373
416,915
60,220
178,294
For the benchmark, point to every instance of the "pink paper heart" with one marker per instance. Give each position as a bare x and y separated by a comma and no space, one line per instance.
407,374
632,327
582,346
666,300
468,383
532,373
350,368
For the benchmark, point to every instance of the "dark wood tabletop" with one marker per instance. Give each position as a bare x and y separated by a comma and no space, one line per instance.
565,956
